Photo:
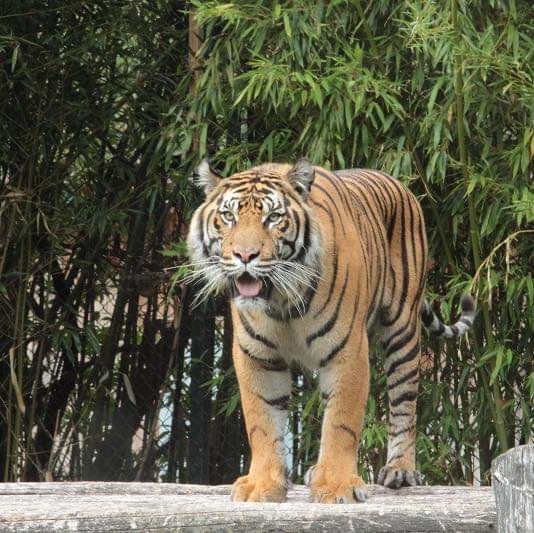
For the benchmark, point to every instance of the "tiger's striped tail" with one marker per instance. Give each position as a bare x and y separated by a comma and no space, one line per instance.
464,323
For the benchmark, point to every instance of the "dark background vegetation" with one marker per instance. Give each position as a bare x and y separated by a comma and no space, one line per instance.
105,108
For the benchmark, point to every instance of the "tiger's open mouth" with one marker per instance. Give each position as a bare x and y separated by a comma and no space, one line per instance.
248,286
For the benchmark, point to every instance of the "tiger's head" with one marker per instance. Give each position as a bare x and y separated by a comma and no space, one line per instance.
255,235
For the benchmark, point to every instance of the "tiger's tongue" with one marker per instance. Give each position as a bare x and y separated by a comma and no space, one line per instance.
248,286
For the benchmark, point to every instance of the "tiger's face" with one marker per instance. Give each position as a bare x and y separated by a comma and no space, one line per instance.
255,236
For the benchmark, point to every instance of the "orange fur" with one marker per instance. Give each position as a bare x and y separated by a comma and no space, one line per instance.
338,255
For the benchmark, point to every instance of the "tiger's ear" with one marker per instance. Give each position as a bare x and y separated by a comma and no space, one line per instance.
301,176
205,178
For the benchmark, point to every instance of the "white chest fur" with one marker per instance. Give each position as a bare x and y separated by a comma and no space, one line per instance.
268,338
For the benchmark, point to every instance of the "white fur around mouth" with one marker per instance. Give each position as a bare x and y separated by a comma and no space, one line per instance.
248,286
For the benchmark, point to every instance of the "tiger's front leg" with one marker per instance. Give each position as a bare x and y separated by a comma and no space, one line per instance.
344,381
265,386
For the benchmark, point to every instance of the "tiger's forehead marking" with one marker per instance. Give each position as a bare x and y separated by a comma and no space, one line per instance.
257,191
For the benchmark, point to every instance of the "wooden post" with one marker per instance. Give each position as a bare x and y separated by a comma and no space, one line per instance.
513,484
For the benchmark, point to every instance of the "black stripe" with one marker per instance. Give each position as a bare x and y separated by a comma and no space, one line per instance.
408,396
306,239
397,333
268,200
405,339
334,351
440,330
412,374
355,190
336,182
423,245
385,191
294,310
281,403
370,185
341,344
307,229
296,221
408,357
329,324
254,335
392,222
396,456
379,199
308,297
289,191
211,242
253,430
371,313
378,253
332,283
289,244
326,209
401,413
351,432
393,434
241,188
369,211
394,182
411,235
393,280
275,364
405,271
334,204
427,316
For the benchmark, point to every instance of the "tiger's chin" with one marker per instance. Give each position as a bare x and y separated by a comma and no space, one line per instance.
251,304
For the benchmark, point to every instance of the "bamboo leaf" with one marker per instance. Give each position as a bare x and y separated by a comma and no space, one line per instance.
14,57
129,388
287,24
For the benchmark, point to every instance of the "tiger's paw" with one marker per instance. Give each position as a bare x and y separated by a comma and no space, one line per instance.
258,489
395,476
328,487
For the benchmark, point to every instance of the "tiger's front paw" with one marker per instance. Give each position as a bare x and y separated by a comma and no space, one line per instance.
329,487
258,489
397,474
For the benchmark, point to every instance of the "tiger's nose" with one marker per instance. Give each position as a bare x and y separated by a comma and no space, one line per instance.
246,254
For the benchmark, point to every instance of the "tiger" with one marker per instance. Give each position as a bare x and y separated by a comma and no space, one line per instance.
316,263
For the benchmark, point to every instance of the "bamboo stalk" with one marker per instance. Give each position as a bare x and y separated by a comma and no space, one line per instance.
500,427
109,345
7,240
9,424
181,337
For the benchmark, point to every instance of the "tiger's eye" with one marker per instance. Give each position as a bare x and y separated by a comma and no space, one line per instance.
273,218
227,216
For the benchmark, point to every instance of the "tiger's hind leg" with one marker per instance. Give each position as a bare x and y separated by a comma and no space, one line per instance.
401,341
